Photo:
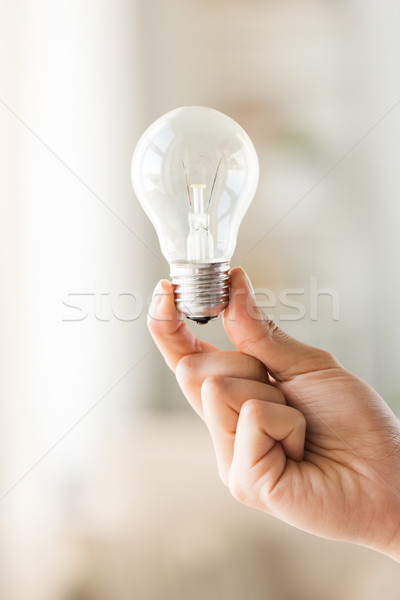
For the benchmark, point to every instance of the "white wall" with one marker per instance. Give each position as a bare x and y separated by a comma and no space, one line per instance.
71,111
79,82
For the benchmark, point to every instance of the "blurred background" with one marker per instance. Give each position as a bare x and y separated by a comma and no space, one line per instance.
108,484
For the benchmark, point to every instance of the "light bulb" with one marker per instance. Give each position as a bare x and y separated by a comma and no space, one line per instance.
195,172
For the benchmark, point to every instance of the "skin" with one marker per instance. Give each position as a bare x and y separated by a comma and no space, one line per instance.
295,434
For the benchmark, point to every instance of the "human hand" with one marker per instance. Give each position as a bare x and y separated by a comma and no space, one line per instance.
295,434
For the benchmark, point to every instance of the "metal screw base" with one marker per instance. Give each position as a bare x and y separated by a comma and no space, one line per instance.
201,289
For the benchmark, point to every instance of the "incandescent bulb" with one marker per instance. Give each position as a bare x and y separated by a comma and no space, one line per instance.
195,172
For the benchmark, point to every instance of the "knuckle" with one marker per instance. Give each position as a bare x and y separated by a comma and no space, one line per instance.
299,420
212,391
224,476
184,369
325,358
249,341
252,409
276,395
302,423
213,385
237,489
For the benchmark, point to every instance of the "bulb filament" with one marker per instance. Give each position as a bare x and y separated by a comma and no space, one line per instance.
200,244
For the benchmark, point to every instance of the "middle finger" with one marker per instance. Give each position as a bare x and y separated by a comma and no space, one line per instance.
193,369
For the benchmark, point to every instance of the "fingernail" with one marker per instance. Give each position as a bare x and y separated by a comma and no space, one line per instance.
158,293
248,283
253,308
166,286
162,289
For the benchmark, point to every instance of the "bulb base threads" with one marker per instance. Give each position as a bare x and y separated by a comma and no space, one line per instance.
201,289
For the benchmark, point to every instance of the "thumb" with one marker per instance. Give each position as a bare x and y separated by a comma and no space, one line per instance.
252,333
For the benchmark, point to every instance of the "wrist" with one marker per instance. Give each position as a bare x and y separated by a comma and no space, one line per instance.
393,548
389,544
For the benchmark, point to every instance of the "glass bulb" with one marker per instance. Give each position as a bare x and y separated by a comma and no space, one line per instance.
195,172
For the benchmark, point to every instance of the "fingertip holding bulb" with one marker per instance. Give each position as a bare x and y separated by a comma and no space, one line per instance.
166,286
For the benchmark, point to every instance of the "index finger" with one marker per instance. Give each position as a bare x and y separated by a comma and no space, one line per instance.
172,335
